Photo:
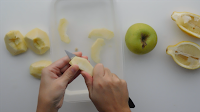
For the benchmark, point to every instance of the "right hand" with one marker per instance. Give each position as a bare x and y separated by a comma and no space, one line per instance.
106,90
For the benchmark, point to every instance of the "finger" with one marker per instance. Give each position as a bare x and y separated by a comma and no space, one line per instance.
107,72
86,57
69,74
115,77
98,71
76,75
67,66
88,80
79,54
63,61
62,70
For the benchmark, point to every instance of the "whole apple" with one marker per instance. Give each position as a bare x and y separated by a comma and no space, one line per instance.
140,38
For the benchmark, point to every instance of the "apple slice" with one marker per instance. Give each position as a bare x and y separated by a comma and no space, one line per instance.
15,43
83,64
96,48
62,30
101,33
36,68
37,40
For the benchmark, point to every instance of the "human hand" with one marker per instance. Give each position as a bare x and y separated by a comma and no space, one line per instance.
106,90
54,81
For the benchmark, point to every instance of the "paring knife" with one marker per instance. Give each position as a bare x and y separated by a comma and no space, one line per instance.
71,56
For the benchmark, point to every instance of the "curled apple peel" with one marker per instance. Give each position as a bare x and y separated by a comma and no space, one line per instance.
62,30
101,33
96,48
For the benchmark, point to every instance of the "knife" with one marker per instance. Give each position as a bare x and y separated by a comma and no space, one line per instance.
71,56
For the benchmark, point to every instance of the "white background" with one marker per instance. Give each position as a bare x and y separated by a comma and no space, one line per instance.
155,82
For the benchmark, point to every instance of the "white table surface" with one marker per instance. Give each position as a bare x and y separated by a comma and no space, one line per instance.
155,82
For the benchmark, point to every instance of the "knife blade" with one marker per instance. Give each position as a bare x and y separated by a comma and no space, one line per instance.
71,56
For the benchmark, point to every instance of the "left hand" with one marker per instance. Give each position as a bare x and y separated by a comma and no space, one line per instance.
54,81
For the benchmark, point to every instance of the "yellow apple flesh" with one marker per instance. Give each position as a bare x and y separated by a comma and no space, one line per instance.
38,41
62,30
36,68
96,49
83,64
15,43
101,33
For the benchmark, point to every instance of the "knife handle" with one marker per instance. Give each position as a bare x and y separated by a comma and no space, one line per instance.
130,103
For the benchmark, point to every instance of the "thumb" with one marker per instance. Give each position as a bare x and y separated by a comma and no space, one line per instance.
88,80
69,74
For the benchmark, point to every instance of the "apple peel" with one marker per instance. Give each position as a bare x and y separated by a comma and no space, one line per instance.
62,30
101,33
96,48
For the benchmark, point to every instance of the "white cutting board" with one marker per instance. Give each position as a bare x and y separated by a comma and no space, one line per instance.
155,82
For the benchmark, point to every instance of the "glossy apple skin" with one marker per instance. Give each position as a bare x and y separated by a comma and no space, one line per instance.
134,40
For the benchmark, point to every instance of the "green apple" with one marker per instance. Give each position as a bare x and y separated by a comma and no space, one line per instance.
140,38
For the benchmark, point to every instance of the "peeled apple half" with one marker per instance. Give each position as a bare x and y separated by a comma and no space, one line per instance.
187,22
36,68
83,64
101,33
62,30
37,40
96,48
15,43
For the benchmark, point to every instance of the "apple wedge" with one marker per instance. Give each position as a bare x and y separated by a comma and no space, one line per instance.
62,30
83,64
96,48
37,40
101,33
36,68
15,43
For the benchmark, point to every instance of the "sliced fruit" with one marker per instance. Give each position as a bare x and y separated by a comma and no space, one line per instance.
186,54
15,43
187,22
37,40
62,30
83,64
36,68
101,33
96,48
